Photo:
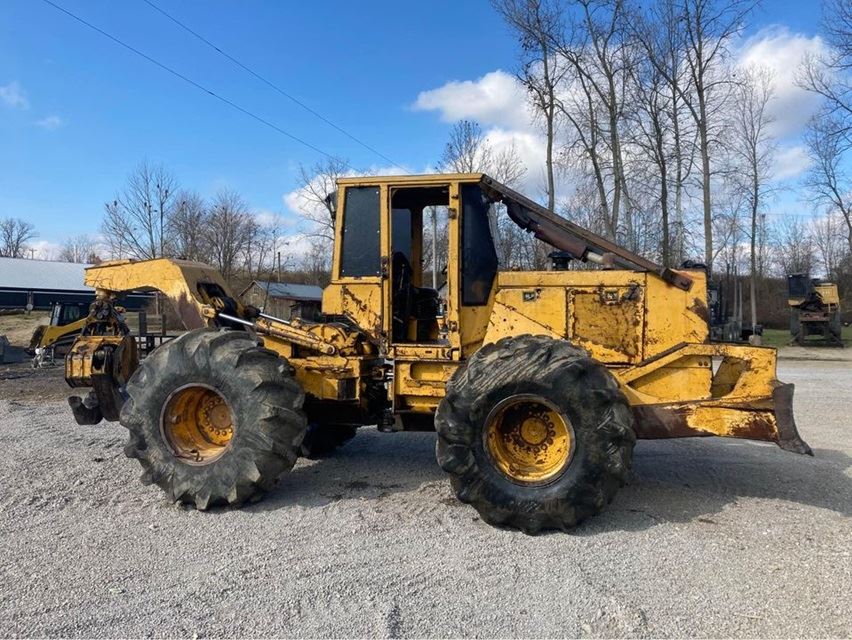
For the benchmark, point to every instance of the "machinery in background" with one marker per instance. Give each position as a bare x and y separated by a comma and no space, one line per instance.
726,312
726,323
814,309
67,320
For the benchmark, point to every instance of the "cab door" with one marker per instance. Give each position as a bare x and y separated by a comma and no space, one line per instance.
356,287
420,295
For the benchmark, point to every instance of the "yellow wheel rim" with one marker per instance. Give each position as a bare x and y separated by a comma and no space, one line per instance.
197,424
529,439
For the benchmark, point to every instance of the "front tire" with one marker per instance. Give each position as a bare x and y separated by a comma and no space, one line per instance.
213,418
534,434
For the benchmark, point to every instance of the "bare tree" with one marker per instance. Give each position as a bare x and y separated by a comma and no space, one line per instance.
138,220
652,135
316,263
794,246
315,185
79,249
262,246
600,56
708,27
537,23
830,75
187,223
660,131
14,236
827,178
828,234
228,230
752,149
466,150
507,166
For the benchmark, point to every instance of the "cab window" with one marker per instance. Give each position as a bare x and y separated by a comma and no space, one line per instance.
360,250
71,313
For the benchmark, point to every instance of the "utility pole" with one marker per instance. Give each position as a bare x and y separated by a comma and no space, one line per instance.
279,266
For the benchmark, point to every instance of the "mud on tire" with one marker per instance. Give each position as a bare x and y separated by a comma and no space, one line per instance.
265,403
580,388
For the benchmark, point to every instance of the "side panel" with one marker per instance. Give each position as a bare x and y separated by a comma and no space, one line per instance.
673,316
419,385
607,321
360,300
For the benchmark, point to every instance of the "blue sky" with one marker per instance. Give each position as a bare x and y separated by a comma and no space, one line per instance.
79,112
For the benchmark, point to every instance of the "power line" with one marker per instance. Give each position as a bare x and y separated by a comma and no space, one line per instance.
189,80
271,84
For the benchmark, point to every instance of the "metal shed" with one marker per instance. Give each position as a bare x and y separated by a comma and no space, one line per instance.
283,299
39,284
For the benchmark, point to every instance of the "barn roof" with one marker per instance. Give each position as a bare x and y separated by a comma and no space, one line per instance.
290,291
45,275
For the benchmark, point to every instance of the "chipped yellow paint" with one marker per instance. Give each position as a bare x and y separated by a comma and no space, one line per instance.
652,334
607,320
360,300
421,379
180,281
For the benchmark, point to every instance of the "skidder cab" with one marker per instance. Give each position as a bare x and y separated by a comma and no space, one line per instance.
537,382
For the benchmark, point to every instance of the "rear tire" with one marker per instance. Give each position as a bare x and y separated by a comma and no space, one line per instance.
230,375
572,388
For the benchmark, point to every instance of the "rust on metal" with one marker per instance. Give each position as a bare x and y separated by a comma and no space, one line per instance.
769,419
699,308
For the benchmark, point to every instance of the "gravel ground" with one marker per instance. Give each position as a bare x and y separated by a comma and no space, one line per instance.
710,538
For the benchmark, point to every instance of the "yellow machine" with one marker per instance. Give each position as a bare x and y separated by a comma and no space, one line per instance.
814,309
67,320
537,383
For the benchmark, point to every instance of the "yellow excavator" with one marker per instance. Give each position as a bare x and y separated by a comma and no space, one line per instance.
537,383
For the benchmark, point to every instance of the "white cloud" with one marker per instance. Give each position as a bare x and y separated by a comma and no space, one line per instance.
51,123
266,218
530,148
778,49
500,104
790,162
496,99
13,96
45,249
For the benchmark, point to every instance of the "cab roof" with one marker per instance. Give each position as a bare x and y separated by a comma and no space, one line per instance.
411,180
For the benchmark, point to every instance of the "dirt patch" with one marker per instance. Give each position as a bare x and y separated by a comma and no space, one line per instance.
22,383
19,328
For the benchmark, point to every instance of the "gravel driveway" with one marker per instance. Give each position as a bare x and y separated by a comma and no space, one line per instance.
710,538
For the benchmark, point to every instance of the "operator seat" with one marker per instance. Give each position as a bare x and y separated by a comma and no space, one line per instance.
419,304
